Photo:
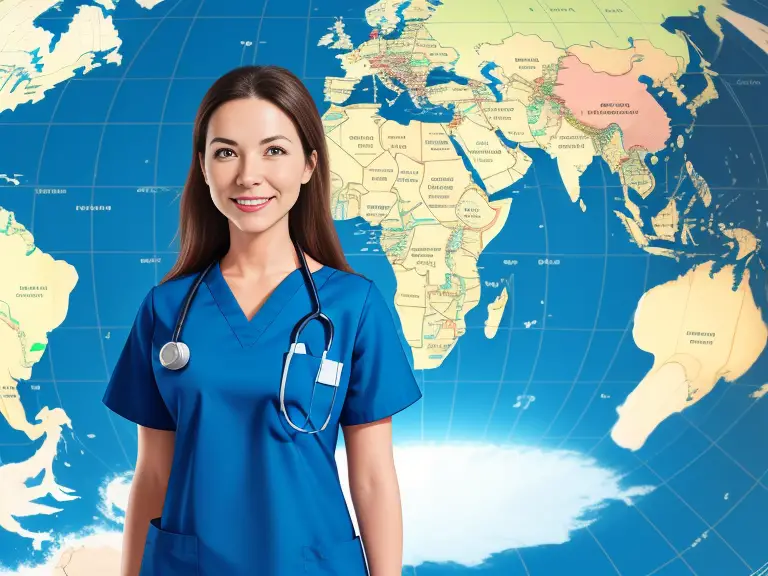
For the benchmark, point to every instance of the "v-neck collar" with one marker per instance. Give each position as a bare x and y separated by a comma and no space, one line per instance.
249,331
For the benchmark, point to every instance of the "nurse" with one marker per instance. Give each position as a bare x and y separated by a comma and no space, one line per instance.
224,485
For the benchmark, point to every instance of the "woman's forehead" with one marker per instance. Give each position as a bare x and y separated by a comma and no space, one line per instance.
249,120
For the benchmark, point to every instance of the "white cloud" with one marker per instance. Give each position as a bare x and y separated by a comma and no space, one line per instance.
461,503
464,502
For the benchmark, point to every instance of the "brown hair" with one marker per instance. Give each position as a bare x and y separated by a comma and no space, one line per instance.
203,230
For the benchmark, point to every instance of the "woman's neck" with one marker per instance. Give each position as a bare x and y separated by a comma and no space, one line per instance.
262,254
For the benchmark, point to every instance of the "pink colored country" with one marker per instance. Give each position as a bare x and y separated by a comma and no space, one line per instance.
599,99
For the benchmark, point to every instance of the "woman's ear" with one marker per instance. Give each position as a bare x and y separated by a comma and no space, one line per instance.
310,166
201,159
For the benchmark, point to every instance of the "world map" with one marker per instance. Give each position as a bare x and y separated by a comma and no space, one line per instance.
561,198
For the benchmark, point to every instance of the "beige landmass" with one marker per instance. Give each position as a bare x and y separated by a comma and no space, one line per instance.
746,242
383,14
495,313
574,151
464,26
520,57
26,80
34,299
640,59
752,29
509,116
89,560
486,152
336,38
760,392
667,222
698,329
435,221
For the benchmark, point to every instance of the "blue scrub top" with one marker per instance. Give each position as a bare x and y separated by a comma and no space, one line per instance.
247,493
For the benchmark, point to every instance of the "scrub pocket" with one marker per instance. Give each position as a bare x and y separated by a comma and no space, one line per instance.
168,553
337,559
299,402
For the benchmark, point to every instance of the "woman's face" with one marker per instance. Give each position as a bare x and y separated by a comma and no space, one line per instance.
254,163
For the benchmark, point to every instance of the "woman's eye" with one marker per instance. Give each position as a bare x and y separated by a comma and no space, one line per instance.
278,151
223,153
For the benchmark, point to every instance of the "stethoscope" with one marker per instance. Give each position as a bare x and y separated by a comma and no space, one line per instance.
174,355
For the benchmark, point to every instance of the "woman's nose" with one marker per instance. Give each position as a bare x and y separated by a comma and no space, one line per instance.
251,173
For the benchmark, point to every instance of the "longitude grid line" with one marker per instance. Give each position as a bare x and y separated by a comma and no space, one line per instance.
171,80
545,300
455,392
75,435
93,191
258,33
49,351
610,363
603,550
678,554
505,362
597,312
711,527
550,21
743,111
306,40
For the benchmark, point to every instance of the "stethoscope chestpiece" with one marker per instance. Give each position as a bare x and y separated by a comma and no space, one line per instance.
174,355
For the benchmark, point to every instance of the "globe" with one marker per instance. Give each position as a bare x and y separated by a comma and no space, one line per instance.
561,199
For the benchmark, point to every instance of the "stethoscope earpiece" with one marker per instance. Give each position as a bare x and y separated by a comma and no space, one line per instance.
174,355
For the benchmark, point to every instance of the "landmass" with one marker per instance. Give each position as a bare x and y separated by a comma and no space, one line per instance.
430,185
31,65
760,392
495,313
34,299
698,329
435,220
336,38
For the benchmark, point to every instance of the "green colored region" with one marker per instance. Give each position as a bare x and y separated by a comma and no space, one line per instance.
419,62
540,132
8,224
534,110
5,311
37,347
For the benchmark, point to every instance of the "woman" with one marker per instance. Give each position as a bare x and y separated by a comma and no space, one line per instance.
225,484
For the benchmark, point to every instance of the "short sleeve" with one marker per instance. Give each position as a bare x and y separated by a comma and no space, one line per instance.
381,381
132,390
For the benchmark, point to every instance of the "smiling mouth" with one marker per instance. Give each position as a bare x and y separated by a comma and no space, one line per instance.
251,201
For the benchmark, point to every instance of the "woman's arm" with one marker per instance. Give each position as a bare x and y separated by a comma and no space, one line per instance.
150,481
376,495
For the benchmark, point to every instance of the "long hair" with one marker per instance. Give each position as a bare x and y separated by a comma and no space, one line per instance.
203,230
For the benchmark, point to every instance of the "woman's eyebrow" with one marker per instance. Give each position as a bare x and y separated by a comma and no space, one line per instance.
233,143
